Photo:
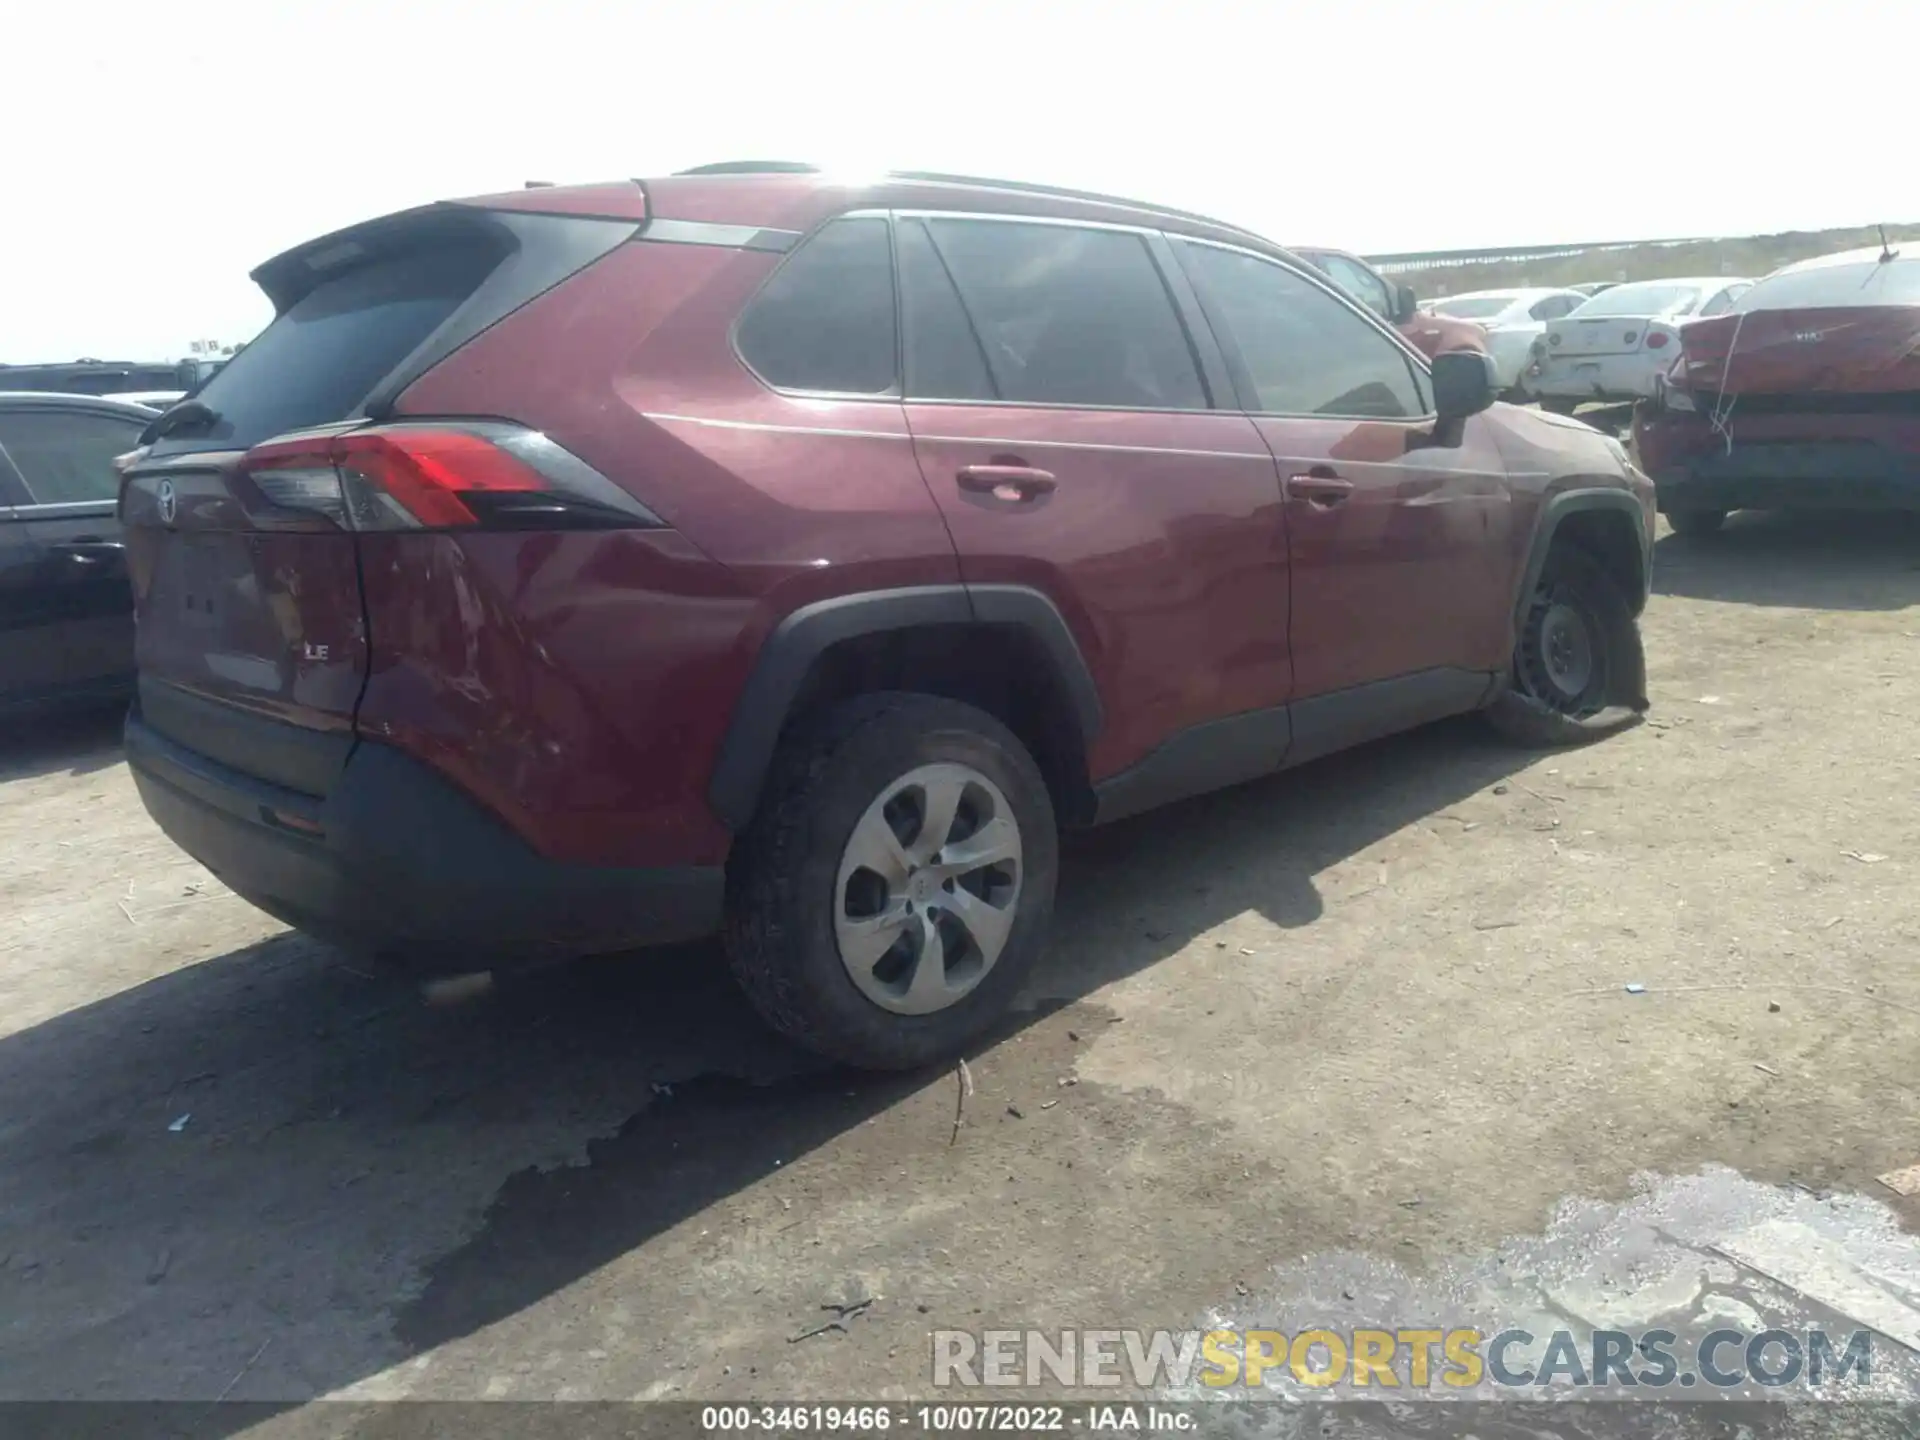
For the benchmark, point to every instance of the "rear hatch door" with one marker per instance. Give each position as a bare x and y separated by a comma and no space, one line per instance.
248,608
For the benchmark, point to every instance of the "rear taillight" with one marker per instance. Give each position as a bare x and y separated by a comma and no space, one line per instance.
1656,339
469,475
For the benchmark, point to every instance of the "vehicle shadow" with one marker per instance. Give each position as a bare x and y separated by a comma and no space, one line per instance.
77,742
343,1144
1836,560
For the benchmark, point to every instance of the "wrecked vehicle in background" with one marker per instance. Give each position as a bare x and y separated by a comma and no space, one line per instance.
1619,345
1514,319
1428,333
1805,394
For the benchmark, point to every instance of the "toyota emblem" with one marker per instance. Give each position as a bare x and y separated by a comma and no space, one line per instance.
169,506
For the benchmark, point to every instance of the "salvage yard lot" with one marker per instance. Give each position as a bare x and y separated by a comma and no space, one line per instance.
1377,1006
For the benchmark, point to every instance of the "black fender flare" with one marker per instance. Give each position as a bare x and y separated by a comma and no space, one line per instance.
1554,510
787,656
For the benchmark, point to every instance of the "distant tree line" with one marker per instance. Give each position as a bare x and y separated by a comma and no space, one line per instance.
1752,256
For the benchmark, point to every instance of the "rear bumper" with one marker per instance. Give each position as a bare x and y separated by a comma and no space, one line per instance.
1604,377
1764,454
394,858
1832,476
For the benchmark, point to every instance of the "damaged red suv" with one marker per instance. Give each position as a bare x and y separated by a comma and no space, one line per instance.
1805,394
580,568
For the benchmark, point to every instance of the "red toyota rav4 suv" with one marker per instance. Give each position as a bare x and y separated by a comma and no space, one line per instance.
580,568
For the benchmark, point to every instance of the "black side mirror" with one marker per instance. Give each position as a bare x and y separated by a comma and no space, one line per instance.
1406,304
1464,383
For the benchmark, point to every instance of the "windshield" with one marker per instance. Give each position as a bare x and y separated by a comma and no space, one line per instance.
1472,307
1830,287
1651,298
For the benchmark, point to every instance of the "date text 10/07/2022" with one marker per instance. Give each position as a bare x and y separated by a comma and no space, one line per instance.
940,1419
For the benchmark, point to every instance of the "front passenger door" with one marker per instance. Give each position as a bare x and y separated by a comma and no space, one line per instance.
1399,548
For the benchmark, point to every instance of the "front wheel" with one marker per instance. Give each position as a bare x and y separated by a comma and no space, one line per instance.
1578,669
895,887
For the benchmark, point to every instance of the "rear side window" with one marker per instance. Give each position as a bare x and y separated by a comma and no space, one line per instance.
1066,316
824,321
1721,301
320,360
1305,352
66,457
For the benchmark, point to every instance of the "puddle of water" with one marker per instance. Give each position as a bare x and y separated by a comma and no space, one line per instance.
1688,1254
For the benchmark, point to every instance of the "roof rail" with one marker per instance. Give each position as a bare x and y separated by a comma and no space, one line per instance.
932,177
753,167
1036,188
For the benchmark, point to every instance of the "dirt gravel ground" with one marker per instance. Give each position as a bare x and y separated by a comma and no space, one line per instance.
1373,1008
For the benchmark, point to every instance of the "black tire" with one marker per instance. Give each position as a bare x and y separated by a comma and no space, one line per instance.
1696,522
1558,404
1550,700
782,878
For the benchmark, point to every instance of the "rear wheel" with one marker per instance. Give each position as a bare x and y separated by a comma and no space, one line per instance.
895,886
1696,522
1578,667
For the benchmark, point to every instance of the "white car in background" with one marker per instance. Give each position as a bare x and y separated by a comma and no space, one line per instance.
1617,345
1514,319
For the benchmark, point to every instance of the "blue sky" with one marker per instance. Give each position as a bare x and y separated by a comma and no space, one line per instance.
167,151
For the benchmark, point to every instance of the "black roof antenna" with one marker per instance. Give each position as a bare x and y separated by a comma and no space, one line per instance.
1887,252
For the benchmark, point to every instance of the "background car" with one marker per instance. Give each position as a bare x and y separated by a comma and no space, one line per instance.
1514,319
66,612
1396,304
1620,342
152,399
109,377
1802,395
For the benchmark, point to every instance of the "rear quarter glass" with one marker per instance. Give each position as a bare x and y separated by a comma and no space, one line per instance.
317,362
351,333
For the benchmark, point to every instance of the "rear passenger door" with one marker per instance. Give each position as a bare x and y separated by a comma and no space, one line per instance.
1074,423
79,604
1398,546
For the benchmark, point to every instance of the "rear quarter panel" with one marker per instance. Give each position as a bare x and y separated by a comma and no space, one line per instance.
639,649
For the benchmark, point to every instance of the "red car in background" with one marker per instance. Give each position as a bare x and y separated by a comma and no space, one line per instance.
1805,394
1396,304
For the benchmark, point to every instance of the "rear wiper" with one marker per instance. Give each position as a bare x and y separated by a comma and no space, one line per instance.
195,414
